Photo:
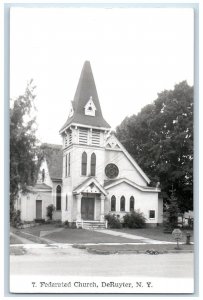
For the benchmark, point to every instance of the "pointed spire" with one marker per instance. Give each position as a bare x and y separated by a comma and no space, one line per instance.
86,91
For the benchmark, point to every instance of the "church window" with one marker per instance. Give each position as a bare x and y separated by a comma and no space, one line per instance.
93,164
43,175
113,203
84,164
132,203
70,137
68,164
95,137
58,197
122,204
66,141
66,202
83,136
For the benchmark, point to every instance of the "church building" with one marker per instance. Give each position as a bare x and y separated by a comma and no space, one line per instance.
91,174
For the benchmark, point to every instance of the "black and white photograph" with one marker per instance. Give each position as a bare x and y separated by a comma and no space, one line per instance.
101,149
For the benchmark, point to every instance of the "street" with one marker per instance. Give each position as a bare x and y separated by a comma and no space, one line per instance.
78,262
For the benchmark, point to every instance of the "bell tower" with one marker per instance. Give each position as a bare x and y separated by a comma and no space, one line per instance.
84,135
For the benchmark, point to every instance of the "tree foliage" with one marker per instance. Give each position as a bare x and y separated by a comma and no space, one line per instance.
23,148
160,138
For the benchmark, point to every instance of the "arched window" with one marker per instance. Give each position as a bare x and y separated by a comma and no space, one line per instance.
84,164
122,204
58,197
69,164
43,175
132,203
66,166
93,164
113,203
66,202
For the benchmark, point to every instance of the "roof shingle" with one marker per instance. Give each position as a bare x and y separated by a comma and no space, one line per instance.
86,88
54,157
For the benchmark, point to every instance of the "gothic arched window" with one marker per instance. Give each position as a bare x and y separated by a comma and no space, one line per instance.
132,203
58,197
43,175
69,164
93,164
122,204
84,164
113,203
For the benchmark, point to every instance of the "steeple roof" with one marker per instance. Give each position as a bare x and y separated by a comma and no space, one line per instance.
85,91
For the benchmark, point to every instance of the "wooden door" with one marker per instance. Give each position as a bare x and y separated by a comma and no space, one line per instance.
38,209
87,208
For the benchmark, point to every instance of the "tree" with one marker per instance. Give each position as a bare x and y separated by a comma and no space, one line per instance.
171,213
160,138
23,141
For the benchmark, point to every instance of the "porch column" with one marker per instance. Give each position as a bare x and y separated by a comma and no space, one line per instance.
102,207
78,199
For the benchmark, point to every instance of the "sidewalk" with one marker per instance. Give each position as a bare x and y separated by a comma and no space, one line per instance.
141,239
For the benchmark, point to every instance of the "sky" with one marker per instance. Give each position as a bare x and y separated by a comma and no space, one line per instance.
134,54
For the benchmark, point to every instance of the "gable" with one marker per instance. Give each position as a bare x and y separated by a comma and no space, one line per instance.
53,155
90,185
128,167
90,108
124,184
43,174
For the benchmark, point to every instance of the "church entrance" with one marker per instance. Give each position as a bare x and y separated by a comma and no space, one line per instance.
87,208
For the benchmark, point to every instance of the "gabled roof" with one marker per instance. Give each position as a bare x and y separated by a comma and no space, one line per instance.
122,148
87,183
85,90
54,158
111,183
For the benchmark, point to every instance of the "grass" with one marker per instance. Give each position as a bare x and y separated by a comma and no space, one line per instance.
139,248
73,236
80,236
155,233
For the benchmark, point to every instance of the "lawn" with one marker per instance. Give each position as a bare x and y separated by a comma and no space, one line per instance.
81,236
155,233
137,248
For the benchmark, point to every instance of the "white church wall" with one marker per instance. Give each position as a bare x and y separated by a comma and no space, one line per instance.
126,169
28,205
76,159
144,201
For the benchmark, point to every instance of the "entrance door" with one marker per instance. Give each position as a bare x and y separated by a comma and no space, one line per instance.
38,209
87,208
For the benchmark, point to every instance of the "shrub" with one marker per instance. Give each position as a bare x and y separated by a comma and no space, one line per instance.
50,210
113,221
134,219
66,224
16,218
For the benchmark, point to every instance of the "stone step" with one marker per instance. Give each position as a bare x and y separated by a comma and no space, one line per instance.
91,225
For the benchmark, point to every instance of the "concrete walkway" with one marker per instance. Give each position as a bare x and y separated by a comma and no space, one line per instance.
43,233
23,240
133,237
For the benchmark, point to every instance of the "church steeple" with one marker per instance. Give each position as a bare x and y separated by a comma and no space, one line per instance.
86,109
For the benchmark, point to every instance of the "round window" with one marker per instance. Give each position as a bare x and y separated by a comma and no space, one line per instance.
111,171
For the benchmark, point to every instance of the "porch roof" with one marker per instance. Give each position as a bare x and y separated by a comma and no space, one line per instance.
90,185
